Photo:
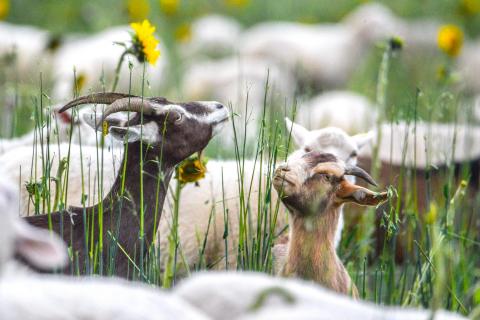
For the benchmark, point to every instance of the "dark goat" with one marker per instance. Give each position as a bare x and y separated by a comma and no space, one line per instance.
166,134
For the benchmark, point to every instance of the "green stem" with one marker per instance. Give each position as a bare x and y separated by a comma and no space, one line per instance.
117,69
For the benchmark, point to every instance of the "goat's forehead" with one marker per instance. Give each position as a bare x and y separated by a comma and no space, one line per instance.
332,139
313,158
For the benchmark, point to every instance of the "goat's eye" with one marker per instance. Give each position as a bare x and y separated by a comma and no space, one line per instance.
353,154
179,118
307,149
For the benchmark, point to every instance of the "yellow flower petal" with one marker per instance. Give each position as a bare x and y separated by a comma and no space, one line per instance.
450,40
138,9
169,7
144,34
4,8
191,170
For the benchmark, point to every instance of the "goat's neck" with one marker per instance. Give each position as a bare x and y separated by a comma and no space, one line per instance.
156,177
311,252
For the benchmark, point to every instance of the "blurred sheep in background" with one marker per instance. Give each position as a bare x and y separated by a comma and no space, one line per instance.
212,36
29,49
346,110
95,59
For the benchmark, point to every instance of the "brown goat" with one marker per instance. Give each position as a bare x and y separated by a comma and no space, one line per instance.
314,188
161,135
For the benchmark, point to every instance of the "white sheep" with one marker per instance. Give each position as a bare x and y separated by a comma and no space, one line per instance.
377,21
248,295
30,47
421,144
468,65
241,82
346,110
95,57
61,298
19,170
74,299
326,54
232,79
63,127
196,202
212,36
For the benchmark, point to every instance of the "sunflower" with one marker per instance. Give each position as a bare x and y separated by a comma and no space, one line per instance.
191,170
4,8
450,39
144,42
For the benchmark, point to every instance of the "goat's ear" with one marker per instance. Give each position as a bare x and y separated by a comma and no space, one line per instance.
148,133
299,133
349,192
362,139
113,120
41,249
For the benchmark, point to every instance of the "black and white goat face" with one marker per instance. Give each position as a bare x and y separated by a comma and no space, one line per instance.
315,181
170,128
38,247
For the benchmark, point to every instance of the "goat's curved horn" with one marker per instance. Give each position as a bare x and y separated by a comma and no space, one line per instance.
359,172
97,98
331,167
135,104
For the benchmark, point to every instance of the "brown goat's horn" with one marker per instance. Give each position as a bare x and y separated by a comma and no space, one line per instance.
135,104
97,98
359,172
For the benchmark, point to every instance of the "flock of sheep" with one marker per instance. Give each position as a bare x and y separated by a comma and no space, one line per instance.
332,133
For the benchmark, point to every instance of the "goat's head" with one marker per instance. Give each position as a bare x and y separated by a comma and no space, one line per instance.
328,140
316,180
37,247
175,130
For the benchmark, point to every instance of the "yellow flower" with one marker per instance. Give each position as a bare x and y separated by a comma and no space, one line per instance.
432,214
237,3
191,170
80,81
183,33
469,7
169,7
144,42
138,9
450,39
4,8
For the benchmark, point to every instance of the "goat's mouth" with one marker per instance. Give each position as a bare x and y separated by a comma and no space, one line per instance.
219,124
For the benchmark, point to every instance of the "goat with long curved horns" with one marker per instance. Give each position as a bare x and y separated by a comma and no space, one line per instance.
120,228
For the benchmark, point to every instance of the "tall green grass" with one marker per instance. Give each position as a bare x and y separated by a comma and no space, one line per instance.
441,242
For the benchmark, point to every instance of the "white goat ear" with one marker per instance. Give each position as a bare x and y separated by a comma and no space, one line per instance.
147,133
299,133
113,120
42,249
362,139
